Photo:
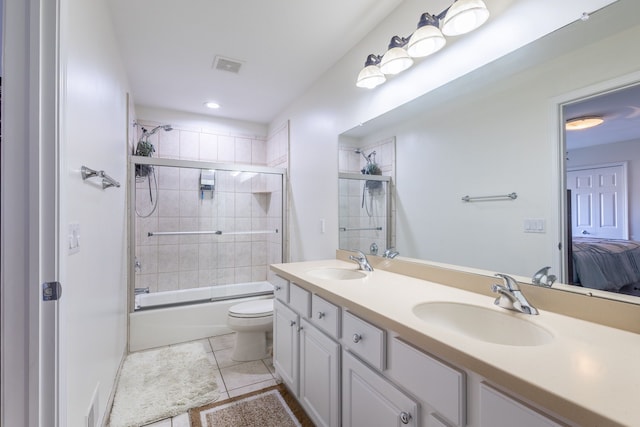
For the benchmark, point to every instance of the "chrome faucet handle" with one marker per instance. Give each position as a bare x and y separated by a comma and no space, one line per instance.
390,253
509,282
506,299
543,278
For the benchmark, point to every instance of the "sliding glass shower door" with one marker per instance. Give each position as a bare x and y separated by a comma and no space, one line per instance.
197,225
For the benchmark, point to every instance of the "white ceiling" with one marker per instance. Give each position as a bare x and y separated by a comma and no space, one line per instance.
169,46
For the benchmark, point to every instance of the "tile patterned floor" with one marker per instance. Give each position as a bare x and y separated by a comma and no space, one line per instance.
234,378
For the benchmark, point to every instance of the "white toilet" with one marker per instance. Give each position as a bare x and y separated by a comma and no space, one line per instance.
251,321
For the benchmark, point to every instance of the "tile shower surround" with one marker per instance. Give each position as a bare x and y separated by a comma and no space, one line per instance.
240,203
352,214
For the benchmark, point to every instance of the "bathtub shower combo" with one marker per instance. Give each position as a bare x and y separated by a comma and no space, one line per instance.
204,236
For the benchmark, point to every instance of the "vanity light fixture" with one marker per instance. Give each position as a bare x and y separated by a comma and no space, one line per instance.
461,17
396,60
464,16
427,39
371,76
585,122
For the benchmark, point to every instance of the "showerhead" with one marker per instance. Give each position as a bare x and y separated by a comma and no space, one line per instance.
147,134
367,157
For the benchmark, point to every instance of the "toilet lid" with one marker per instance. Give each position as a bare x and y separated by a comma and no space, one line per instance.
256,308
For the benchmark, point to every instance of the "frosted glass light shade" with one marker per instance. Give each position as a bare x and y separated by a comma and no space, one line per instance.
583,123
395,61
464,16
370,77
425,41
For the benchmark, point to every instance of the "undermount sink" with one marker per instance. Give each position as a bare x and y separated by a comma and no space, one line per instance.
484,324
336,274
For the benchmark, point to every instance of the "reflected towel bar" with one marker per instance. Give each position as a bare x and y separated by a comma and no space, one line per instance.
511,196
218,232
360,229
107,181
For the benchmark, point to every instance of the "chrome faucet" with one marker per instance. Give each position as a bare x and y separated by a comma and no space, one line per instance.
390,253
361,259
511,297
543,278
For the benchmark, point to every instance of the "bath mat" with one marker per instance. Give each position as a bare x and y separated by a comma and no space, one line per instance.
269,407
158,384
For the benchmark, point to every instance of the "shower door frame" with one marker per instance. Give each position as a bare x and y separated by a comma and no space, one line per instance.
364,177
191,164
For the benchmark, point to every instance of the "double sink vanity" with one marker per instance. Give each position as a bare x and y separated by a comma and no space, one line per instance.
378,348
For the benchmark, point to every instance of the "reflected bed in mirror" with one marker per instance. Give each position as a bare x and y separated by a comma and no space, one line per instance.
498,130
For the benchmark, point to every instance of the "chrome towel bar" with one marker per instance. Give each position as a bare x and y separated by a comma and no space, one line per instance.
107,181
218,232
511,196
360,229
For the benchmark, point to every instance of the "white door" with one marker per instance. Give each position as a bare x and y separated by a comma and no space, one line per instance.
29,198
599,201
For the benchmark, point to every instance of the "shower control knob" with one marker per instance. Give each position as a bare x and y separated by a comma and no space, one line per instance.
277,288
357,338
293,322
405,417
320,315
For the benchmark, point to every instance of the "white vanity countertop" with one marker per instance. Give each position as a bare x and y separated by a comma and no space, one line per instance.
588,373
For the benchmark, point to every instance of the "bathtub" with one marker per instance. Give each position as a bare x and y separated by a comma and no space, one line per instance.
172,317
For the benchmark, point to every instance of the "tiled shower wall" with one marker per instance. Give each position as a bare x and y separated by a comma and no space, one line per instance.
240,202
352,212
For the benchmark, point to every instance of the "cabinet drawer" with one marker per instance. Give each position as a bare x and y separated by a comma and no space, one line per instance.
364,339
326,316
500,410
438,385
281,289
300,300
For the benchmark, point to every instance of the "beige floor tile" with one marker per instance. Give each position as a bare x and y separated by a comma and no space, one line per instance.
222,341
223,357
245,374
161,423
253,387
181,420
269,364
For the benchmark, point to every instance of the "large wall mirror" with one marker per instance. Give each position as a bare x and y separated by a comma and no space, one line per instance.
500,130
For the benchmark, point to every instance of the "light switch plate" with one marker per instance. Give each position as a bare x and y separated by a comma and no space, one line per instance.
73,238
534,225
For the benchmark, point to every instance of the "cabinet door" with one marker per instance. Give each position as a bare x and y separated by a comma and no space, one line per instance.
499,410
319,375
370,400
285,344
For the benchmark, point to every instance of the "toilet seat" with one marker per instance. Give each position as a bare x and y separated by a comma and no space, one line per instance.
252,309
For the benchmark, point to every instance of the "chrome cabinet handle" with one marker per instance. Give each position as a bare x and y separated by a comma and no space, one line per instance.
405,417
357,338
320,315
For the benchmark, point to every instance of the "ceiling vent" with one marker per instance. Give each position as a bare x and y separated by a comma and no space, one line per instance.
227,64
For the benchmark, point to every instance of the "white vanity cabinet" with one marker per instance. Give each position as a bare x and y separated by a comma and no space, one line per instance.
319,376
307,359
286,344
371,400
499,410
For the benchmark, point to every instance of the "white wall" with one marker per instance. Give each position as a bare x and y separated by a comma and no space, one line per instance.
483,128
93,133
610,153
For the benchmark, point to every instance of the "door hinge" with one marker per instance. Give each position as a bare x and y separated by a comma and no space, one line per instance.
51,291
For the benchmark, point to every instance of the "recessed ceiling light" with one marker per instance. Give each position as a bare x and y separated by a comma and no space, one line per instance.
212,105
583,122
